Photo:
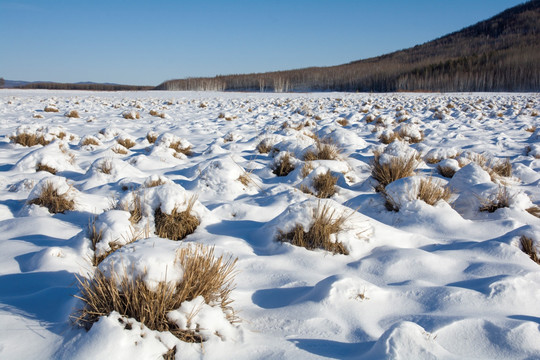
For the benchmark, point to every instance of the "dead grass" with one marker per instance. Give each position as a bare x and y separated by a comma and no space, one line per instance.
388,138
500,200
203,275
319,235
177,146
397,168
325,150
157,114
127,143
26,139
431,191
284,167
50,108
343,122
264,147
527,246
178,224
119,150
307,169
45,167
534,211
151,138
325,184
131,115
155,183
446,171
72,114
531,128
105,167
500,167
53,201
135,209
89,141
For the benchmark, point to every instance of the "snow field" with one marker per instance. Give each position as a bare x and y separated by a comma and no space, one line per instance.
427,281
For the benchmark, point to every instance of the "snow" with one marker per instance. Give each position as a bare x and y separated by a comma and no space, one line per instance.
446,281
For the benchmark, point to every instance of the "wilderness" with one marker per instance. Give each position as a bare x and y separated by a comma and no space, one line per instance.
345,212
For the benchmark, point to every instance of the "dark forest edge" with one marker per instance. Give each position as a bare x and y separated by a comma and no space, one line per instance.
498,54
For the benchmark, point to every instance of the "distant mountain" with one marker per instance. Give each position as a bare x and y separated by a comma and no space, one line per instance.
498,54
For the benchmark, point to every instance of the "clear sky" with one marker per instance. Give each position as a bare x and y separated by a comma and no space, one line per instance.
147,42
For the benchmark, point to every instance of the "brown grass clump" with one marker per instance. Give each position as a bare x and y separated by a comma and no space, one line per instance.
531,129
45,167
325,184
177,225
53,201
105,167
325,150
264,147
500,167
151,137
431,192
318,236
157,114
500,200
388,138
119,150
50,108
534,211
399,167
284,167
177,146
72,114
307,169
89,141
343,122
446,171
26,139
127,143
527,246
204,275
131,115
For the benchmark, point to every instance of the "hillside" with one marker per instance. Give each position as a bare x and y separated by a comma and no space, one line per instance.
498,54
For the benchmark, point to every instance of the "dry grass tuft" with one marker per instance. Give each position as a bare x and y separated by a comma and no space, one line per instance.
26,139
89,141
53,201
50,108
343,122
325,150
527,246
127,143
388,138
45,167
119,150
446,171
155,183
431,191
500,200
204,275
500,167
284,167
397,168
131,115
531,129
307,169
177,146
105,167
178,224
72,114
158,114
151,137
319,235
264,147
534,211
325,184
135,210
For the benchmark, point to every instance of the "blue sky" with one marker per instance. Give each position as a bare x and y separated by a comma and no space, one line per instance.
147,42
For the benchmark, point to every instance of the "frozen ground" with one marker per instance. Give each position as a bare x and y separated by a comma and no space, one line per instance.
444,281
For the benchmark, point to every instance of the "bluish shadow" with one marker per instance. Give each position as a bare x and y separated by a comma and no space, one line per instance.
333,349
